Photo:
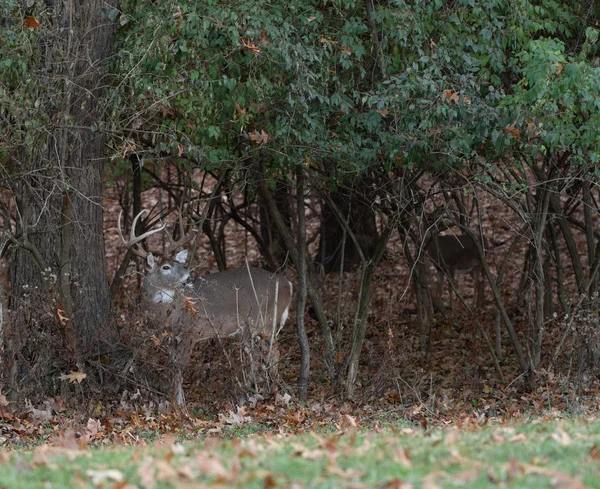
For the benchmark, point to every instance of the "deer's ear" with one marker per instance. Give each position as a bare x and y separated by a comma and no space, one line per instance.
150,261
181,257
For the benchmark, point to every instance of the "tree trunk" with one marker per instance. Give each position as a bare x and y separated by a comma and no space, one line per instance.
269,232
60,201
361,219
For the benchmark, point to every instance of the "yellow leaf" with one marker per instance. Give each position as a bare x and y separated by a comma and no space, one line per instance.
74,377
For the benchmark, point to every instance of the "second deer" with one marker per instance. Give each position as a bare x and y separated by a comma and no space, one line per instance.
230,303
457,254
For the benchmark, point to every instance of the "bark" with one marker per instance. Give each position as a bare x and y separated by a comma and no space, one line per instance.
361,220
85,162
302,292
311,288
271,237
364,300
60,198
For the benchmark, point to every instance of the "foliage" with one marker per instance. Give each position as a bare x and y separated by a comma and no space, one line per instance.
303,81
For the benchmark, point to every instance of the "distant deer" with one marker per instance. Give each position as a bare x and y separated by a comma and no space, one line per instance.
457,254
222,304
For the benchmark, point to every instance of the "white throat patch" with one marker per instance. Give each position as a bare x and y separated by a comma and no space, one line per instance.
165,295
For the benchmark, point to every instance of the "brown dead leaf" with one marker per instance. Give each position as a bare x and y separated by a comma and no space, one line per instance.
430,481
210,465
451,96
349,422
3,401
513,131
190,306
465,476
563,481
269,482
401,456
147,474
396,484
164,471
31,22
594,452
248,44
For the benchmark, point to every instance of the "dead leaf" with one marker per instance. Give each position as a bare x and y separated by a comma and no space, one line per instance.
100,476
74,377
396,484
250,45
513,131
451,96
349,422
146,473
190,306
61,317
518,437
31,22
208,464
400,455
561,437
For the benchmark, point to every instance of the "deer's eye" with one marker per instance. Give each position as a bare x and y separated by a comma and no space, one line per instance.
166,267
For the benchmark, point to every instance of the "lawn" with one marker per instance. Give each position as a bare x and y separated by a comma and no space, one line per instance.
552,454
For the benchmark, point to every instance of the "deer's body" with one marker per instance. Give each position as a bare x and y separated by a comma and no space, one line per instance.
225,302
456,254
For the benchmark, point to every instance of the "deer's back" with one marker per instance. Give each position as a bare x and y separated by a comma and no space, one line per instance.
458,252
227,300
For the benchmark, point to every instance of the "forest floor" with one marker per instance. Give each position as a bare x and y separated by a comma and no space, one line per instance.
412,400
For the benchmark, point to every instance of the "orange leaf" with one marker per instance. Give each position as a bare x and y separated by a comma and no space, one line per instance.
250,45
190,306
513,131
32,22
61,317
451,96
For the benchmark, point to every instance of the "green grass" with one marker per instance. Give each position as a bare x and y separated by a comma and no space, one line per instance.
535,455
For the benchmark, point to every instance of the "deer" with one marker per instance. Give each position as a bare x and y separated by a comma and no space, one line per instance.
220,305
457,254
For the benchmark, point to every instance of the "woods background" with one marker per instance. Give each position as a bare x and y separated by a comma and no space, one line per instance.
332,139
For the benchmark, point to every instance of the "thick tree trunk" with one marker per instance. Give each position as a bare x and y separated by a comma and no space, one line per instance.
361,219
60,194
84,159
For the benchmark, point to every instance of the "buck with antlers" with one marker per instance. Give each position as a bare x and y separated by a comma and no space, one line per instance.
219,305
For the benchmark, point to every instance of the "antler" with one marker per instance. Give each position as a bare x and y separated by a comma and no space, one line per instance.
135,240
184,238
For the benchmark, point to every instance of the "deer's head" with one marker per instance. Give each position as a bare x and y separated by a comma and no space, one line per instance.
164,275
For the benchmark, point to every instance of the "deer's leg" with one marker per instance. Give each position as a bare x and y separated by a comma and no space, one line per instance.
478,288
451,286
441,277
